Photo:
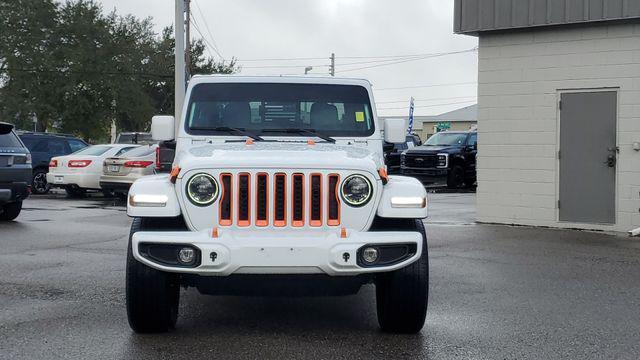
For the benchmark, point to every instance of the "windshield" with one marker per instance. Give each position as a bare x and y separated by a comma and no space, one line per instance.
96,150
447,139
140,151
136,138
265,109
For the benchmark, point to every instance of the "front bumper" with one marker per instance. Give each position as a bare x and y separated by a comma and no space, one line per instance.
249,252
83,181
427,175
16,191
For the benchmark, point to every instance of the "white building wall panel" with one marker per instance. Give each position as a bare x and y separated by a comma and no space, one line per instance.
520,77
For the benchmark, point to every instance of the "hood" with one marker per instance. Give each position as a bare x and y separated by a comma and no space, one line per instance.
275,155
428,149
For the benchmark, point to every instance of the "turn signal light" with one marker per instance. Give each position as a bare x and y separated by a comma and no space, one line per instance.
137,164
53,163
78,163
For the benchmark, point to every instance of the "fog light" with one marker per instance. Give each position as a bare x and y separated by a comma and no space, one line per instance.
186,255
370,255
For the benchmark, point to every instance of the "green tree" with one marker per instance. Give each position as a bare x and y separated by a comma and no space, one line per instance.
77,69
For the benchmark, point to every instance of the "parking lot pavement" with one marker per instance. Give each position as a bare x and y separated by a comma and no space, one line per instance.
496,293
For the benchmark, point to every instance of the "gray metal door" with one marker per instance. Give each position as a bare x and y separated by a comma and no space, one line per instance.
588,157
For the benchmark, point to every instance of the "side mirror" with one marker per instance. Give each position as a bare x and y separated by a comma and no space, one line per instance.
163,128
395,131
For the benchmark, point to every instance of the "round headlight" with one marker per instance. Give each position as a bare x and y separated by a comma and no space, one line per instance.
356,190
202,189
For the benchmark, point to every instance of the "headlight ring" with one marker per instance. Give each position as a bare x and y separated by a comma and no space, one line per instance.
202,189
356,190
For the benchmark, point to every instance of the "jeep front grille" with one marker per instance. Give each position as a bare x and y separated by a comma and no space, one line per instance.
263,199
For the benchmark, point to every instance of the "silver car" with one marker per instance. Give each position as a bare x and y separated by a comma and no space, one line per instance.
118,173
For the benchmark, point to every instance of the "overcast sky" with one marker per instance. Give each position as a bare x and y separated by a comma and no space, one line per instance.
372,29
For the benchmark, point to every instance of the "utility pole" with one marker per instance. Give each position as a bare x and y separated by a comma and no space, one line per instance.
332,68
187,26
180,74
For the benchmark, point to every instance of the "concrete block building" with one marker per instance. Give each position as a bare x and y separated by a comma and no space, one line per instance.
558,111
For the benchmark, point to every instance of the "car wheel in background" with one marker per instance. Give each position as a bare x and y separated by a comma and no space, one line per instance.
456,177
74,192
10,211
40,185
108,193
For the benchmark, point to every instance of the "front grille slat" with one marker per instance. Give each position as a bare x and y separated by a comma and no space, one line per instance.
226,207
315,203
334,202
244,202
278,199
297,200
262,200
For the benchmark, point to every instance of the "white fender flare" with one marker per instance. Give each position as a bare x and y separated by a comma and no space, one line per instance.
403,197
153,196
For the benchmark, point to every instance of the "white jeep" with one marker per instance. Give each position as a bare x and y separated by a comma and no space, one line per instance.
278,187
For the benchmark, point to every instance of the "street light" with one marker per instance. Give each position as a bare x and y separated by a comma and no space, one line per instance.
307,69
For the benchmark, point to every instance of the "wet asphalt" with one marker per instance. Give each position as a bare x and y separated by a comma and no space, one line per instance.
497,292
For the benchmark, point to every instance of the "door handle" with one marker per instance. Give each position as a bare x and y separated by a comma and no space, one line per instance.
611,160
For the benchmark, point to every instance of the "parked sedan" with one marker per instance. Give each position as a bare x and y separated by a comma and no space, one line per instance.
81,171
118,173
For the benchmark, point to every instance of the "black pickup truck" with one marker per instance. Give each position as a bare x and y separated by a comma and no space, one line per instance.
393,152
446,158
15,173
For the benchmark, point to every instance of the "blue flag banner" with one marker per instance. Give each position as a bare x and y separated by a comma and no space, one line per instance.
411,107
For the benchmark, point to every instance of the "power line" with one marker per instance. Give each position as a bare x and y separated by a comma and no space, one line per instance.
429,106
209,46
85,72
279,66
390,57
204,20
427,86
432,99
411,59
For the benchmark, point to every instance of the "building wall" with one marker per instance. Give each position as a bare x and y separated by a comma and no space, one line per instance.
520,75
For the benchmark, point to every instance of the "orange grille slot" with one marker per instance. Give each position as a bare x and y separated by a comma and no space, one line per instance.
244,199
280,200
315,206
297,200
262,200
334,200
225,200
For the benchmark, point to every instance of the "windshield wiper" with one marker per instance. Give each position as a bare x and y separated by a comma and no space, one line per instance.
311,132
240,131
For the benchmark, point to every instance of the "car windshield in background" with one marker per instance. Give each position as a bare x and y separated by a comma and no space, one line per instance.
270,109
96,150
446,139
139,138
140,151
9,140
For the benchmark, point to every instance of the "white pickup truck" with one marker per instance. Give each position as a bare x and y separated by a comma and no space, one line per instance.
278,187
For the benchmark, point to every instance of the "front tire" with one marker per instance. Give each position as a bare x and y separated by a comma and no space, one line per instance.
152,296
11,211
456,177
402,295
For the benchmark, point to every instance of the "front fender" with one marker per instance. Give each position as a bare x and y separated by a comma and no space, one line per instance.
157,189
402,187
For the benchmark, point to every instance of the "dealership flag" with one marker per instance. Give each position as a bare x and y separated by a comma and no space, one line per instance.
410,117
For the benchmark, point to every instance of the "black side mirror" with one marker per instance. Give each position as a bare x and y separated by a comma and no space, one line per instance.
5,128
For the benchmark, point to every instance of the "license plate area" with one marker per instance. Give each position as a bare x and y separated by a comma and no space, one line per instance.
58,179
113,168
